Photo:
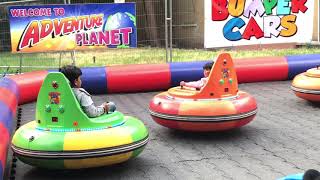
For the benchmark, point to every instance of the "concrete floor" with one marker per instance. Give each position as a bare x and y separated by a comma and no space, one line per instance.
284,138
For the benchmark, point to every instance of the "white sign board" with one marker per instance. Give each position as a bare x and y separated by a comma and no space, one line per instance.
119,1
247,22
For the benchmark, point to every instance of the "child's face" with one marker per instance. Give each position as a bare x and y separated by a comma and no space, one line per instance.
78,82
206,72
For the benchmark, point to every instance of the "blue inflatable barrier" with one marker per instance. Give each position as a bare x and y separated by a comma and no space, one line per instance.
6,116
186,71
301,63
1,171
94,80
10,85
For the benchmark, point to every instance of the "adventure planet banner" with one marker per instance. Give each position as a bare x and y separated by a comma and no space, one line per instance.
72,27
247,22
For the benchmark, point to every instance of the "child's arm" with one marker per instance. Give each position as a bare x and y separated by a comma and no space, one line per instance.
93,111
87,104
195,84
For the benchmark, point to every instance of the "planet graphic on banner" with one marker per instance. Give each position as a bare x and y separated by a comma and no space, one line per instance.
118,21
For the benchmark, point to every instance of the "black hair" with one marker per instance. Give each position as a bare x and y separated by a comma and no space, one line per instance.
71,72
311,174
208,66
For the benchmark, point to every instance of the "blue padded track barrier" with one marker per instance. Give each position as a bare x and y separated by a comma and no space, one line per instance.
299,64
94,80
10,85
1,171
53,70
6,116
186,71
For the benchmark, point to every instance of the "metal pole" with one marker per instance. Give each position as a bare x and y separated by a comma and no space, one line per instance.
5,72
73,53
73,57
60,60
166,26
20,66
170,30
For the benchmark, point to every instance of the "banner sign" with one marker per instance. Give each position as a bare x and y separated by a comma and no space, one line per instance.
247,22
72,27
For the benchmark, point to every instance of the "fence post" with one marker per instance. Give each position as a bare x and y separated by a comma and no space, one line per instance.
168,18
170,30
60,59
72,52
20,66
73,57
166,26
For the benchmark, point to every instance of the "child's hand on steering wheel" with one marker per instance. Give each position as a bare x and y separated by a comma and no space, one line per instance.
182,83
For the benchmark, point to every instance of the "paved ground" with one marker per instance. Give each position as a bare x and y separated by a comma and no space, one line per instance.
284,138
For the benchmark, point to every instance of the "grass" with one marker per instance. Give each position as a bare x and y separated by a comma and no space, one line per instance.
111,57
